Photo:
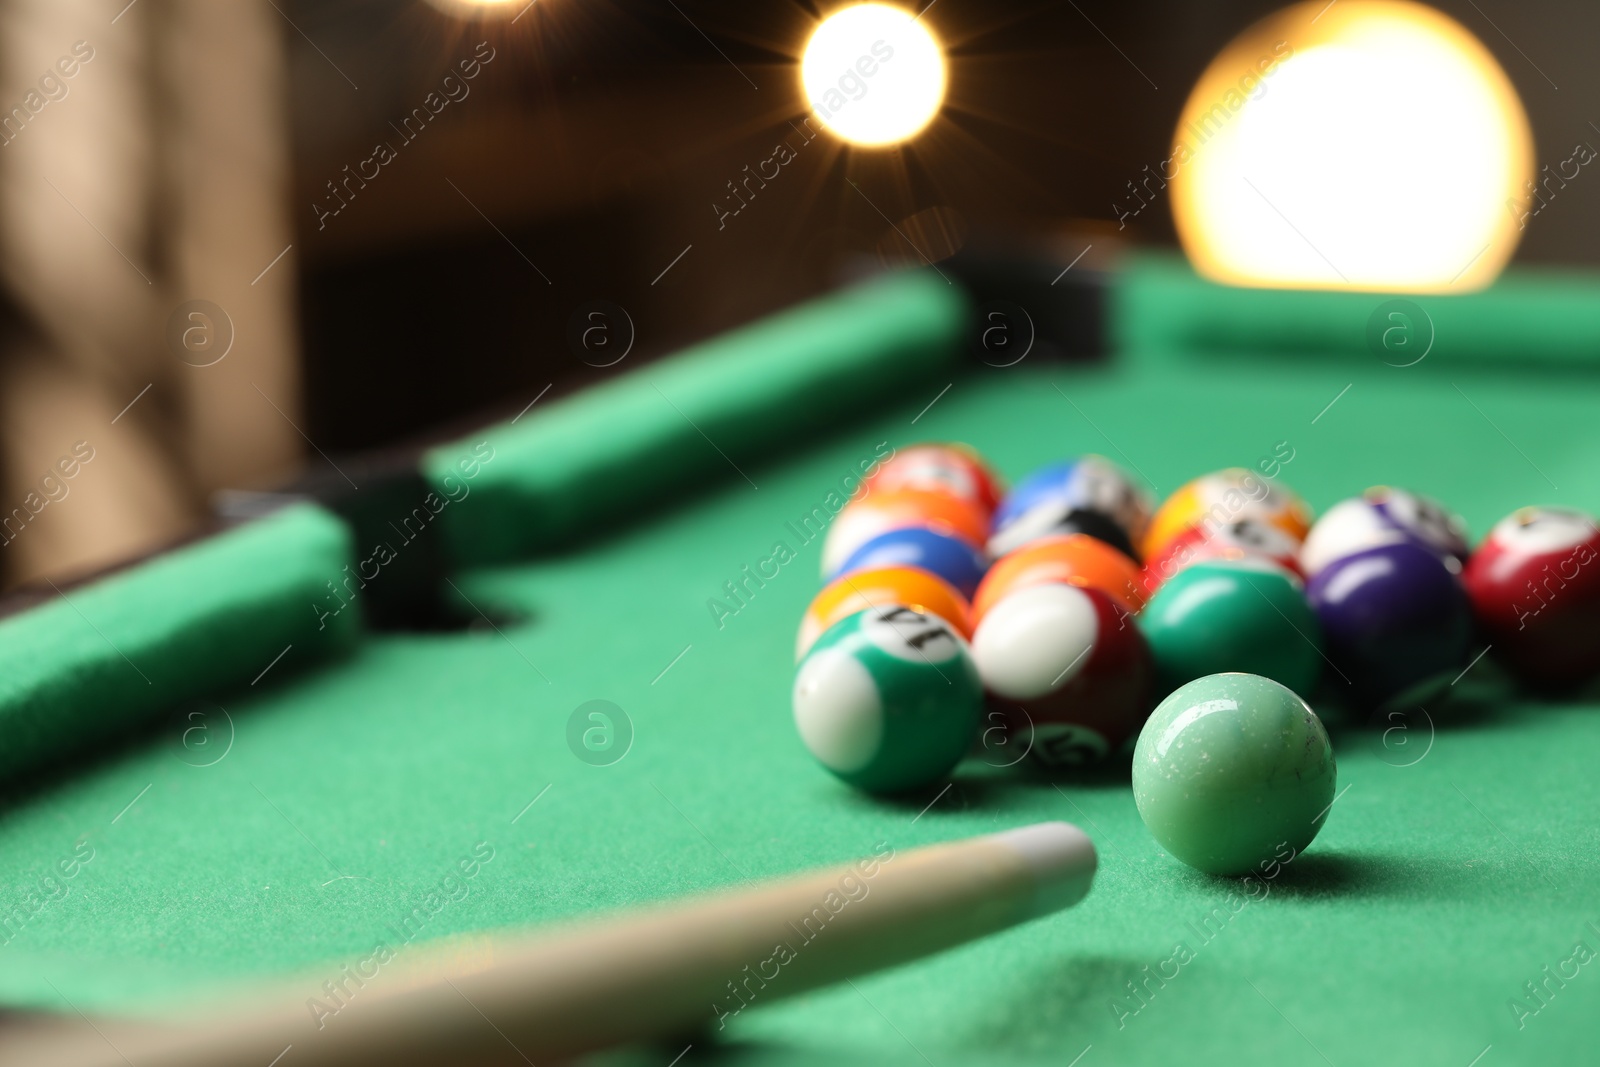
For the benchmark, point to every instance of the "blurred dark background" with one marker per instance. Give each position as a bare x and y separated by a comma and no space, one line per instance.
600,136
581,162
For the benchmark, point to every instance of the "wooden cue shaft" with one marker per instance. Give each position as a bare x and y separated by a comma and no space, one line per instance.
659,972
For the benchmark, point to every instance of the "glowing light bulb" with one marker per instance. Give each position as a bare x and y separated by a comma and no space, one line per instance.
470,8
873,74
1372,144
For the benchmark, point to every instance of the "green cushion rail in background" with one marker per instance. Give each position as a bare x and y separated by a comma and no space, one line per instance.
637,439
1531,317
191,623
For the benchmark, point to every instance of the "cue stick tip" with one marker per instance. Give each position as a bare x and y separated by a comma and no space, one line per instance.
1061,858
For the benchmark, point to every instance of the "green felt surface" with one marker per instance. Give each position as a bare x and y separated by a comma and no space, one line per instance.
177,628
597,457
1458,861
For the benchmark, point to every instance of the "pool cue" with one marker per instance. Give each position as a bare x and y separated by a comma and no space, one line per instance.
670,970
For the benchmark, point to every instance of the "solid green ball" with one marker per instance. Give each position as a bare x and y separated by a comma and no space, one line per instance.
1245,615
888,699
1233,772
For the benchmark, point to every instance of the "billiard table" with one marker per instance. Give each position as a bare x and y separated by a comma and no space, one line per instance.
221,770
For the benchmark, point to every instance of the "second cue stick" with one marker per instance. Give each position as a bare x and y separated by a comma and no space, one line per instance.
659,972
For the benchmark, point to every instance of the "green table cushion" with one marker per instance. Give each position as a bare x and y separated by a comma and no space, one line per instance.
1530,318
711,412
200,620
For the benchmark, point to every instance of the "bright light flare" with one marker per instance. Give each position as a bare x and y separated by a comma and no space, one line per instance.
1376,146
873,74
481,8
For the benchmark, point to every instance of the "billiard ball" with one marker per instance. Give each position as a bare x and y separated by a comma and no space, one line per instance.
1054,518
1244,614
951,558
888,699
1535,589
1090,495
1396,625
1384,515
1077,559
859,521
1232,540
1067,670
1223,497
951,468
1233,773
850,593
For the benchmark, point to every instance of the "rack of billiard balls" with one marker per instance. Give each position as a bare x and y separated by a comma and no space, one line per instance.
1068,608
